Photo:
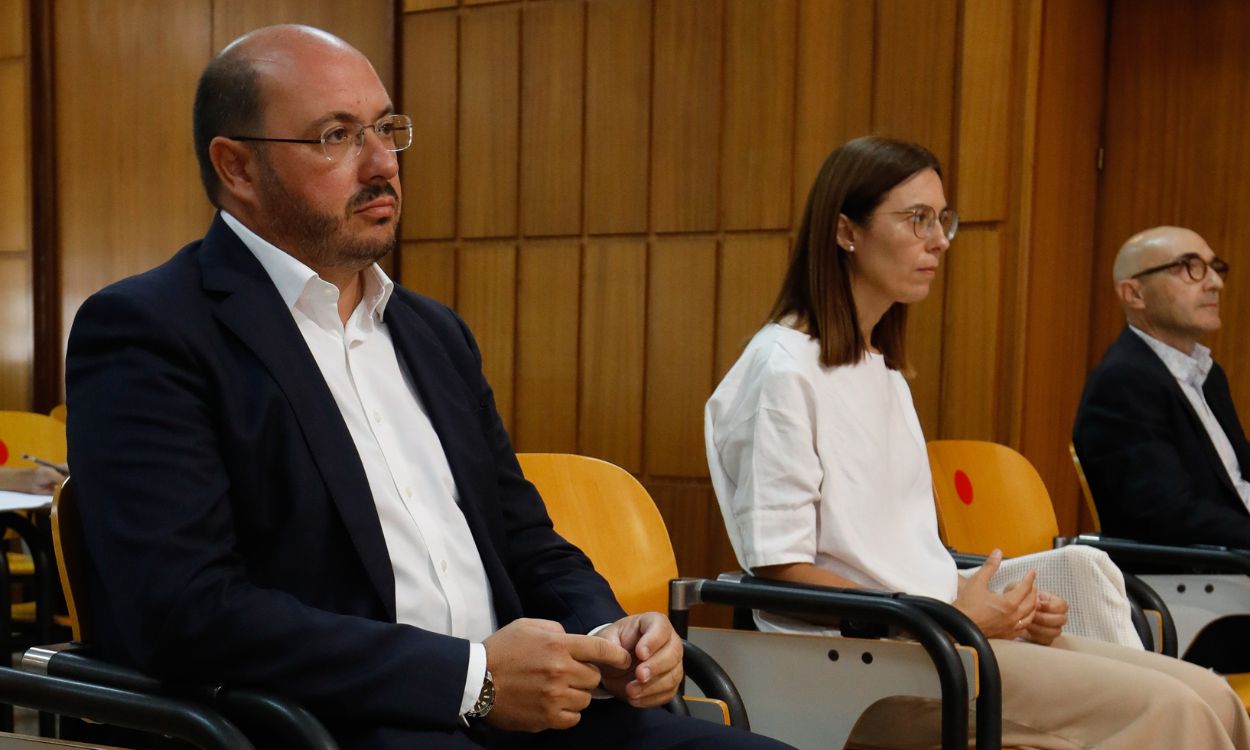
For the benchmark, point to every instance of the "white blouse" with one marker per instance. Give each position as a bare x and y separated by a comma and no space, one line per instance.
825,466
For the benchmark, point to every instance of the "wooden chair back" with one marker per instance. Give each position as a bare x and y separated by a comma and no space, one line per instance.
1085,493
71,560
604,510
988,496
58,413
35,434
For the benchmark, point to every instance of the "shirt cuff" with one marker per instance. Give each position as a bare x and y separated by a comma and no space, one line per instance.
473,677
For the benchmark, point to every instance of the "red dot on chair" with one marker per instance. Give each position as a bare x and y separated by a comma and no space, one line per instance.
4,453
963,487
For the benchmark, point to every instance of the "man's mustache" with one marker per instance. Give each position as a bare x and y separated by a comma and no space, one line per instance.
372,193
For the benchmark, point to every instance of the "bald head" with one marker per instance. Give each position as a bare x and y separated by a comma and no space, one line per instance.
231,95
1154,247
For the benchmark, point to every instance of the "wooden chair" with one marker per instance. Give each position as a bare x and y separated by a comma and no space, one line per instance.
607,514
988,496
44,437
788,681
280,721
58,413
1196,600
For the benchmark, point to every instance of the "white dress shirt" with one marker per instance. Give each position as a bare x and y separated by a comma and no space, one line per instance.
1191,373
824,465
440,582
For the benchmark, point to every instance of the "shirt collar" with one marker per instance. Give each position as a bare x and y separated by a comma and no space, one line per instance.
1186,368
292,278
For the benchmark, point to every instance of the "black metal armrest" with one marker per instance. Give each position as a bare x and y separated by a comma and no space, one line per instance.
185,719
1137,556
965,560
1143,595
715,683
259,712
866,606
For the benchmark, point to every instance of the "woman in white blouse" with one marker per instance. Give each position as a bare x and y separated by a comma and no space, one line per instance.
820,468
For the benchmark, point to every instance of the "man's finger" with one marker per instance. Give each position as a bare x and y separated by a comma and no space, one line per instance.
591,649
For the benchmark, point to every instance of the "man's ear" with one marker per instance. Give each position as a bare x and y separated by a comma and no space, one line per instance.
233,162
1130,294
846,234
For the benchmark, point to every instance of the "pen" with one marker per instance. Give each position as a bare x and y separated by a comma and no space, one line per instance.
62,468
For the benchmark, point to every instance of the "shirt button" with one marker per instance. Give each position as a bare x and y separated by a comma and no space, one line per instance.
377,416
443,565
408,491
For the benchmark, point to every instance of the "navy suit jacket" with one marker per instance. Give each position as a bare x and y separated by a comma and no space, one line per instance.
1154,473
227,516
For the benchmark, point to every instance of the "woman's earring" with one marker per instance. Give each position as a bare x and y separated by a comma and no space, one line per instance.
850,248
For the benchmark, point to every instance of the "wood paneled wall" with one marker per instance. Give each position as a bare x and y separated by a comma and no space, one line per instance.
607,190
1177,153
16,256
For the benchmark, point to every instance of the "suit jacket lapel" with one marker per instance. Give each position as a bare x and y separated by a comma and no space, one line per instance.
248,304
453,413
1160,370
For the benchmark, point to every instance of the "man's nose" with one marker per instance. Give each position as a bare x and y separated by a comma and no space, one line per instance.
376,160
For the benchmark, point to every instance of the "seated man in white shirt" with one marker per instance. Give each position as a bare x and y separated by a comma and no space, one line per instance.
1156,431
291,471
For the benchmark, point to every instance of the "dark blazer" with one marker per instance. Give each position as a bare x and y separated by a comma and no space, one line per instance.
228,518
1152,468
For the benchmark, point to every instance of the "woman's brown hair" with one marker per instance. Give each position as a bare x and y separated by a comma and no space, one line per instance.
817,289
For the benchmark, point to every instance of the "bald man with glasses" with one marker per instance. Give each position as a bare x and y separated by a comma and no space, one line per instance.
1156,431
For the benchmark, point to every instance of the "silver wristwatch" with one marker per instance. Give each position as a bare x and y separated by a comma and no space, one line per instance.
485,699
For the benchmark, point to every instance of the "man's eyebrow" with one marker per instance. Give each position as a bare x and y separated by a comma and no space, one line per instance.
348,117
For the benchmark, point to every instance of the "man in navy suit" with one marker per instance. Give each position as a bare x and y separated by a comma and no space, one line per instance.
1156,431
292,474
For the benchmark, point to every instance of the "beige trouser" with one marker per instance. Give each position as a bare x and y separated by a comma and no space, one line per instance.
1082,694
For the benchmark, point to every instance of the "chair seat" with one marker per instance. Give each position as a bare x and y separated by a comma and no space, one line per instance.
24,612
1240,683
20,564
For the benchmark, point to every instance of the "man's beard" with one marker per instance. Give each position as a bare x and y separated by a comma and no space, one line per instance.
321,239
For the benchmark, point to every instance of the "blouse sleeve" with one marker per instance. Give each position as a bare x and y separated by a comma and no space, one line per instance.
765,468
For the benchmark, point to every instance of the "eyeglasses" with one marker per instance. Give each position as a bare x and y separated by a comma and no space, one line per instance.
924,219
1194,265
341,143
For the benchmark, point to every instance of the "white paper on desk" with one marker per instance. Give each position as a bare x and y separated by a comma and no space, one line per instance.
23,501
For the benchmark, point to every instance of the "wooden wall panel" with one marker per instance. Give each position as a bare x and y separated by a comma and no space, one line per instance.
1061,231
552,72
681,297
913,94
614,299
430,96
15,210
489,100
618,115
833,83
412,6
12,28
971,335
430,269
749,277
549,278
486,289
16,325
127,184
367,25
1176,153
686,116
984,109
913,82
759,114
